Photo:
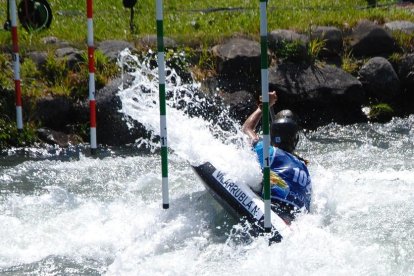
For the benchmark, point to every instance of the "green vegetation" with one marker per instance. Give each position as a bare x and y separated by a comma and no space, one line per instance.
350,64
292,51
315,46
6,75
77,79
381,112
195,25
404,40
53,78
10,136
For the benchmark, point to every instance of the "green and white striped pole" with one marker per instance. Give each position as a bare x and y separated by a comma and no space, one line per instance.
163,108
265,114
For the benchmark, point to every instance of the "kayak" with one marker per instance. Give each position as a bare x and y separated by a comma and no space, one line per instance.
240,200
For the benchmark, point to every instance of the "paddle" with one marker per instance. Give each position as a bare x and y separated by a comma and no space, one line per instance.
272,114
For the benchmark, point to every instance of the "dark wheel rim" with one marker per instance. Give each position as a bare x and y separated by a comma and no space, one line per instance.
36,16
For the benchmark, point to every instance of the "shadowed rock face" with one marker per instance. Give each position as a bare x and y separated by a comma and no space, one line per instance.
318,83
332,38
111,48
56,112
277,38
318,93
405,70
369,39
238,64
112,126
58,138
380,80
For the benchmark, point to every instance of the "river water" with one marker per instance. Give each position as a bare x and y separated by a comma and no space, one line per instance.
64,212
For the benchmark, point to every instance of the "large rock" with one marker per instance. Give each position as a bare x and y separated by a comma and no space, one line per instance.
112,48
279,39
405,72
112,128
241,104
57,113
238,64
276,37
52,40
61,139
38,57
402,26
332,38
319,95
71,55
150,41
379,80
369,40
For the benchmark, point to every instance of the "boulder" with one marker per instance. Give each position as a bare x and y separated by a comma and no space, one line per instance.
405,72
238,64
52,40
72,56
319,95
278,39
61,139
56,112
402,26
112,128
369,40
332,38
150,41
112,48
241,104
38,57
379,80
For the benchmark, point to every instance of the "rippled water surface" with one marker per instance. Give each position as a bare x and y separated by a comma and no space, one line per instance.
63,212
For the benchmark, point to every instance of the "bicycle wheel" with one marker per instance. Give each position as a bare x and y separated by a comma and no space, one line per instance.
34,14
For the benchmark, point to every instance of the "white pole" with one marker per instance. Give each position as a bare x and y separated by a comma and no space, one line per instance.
16,64
265,114
162,97
91,62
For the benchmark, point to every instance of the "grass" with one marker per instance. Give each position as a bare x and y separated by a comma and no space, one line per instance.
350,64
186,22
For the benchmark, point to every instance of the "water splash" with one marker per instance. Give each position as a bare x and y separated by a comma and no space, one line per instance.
191,136
74,214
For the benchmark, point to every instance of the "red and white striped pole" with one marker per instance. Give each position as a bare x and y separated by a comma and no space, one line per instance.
16,64
91,62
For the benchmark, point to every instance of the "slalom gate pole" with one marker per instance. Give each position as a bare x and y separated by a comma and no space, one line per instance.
91,63
265,114
16,64
163,108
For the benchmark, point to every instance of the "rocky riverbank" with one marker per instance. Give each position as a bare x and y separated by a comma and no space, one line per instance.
328,75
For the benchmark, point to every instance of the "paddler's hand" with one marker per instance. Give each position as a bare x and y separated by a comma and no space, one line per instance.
272,99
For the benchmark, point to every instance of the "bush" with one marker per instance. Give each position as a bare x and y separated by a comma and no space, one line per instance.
11,137
381,112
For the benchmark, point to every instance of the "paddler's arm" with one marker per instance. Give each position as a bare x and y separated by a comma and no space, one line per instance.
249,126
